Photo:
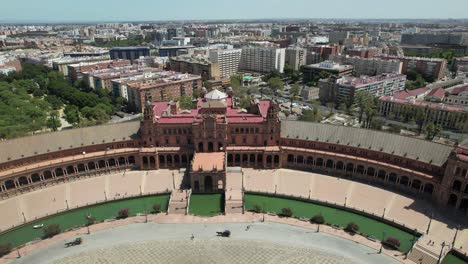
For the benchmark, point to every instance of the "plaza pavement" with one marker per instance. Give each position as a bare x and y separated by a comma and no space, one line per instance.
411,212
120,237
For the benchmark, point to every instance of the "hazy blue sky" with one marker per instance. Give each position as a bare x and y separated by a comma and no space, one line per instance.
117,10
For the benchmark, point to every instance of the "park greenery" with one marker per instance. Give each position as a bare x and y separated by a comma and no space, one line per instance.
32,101
415,80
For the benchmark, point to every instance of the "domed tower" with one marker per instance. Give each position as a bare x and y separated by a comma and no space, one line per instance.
146,127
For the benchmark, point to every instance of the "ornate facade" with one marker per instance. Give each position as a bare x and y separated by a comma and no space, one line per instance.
172,137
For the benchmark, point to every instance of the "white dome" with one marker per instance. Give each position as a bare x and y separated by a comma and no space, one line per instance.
216,95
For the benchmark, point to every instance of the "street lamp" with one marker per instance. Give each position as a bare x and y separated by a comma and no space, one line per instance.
381,244
441,251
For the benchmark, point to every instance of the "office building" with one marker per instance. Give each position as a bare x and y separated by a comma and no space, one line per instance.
385,84
312,72
161,87
228,61
262,59
197,65
432,68
295,57
371,66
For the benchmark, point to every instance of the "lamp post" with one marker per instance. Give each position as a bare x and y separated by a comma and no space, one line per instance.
441,251
383,215
429,224
455,236
381,244
345,200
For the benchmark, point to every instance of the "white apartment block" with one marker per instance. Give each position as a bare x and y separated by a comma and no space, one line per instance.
370,66
385,84
295,57
262,59
228,61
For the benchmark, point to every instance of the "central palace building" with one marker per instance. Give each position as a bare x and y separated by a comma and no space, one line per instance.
216,137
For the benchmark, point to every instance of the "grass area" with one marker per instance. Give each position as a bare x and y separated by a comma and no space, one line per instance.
206,204
74,218
367,226
452,259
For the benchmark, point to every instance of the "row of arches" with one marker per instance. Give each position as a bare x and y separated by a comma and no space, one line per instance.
458,202
254,160
67,171
165,161
457,186
361,170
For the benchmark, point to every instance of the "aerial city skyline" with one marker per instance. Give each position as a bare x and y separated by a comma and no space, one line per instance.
234,132
142,10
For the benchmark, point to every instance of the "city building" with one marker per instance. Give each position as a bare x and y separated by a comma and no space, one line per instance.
175,32
448,116
457,96
129,53
262,59
433,68
197,65
75,71
363,52
162,87
369,66
173,51
312,72
324,51
228,61
385,84
310,93
295,57
338,37
61,64
434,38
102,78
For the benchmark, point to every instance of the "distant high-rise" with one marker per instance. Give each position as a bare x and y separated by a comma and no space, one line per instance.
228,61
295,57
175,32
262,59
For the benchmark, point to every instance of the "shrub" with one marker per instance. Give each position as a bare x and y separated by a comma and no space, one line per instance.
51,230
5,249
287,212
317,219
123,213
257,209
392,242
156,208
352,227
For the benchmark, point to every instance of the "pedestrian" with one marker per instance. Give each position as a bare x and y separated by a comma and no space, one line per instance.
192,237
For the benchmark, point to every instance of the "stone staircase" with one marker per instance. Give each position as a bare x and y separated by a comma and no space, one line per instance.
422,255
179,201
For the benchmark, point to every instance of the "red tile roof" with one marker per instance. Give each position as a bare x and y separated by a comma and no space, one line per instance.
438,93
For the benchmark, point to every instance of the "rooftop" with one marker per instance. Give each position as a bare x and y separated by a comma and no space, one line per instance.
207,162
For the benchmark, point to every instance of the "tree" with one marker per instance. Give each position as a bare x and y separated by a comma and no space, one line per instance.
236,80
419,118
352,227
51,230
244,102
53,122
317,219
72,114
5,249
287,212
432,131
208,85
276,84
185,102
55,102
312,115
362,99
392,242
122,214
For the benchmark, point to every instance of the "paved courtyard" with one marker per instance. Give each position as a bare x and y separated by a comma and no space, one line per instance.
170,243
